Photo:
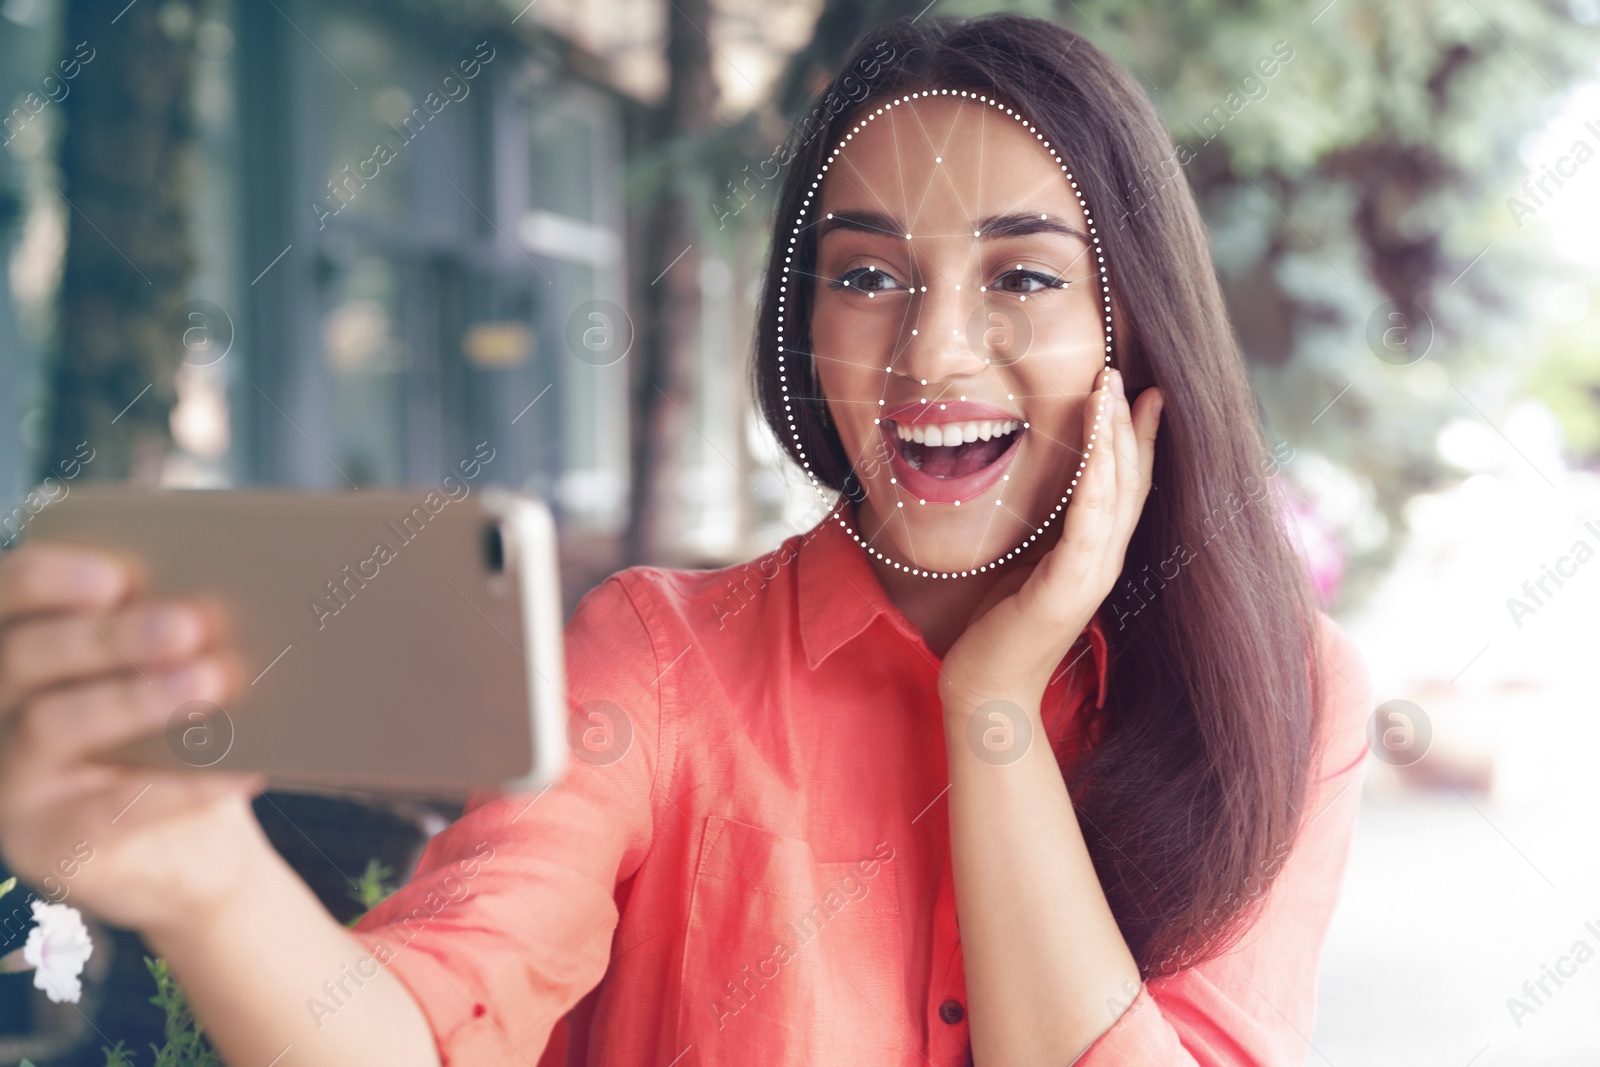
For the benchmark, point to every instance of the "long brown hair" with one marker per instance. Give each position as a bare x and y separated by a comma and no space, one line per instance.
1190,781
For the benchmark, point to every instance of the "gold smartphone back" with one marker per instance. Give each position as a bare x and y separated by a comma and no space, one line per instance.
404,640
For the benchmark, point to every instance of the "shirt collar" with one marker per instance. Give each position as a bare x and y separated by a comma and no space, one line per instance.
839,596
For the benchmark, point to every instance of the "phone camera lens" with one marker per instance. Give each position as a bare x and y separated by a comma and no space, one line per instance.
494,549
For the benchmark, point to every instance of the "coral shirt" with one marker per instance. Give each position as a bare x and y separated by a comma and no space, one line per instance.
748,862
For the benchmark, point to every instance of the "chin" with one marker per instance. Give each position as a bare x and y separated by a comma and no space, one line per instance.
944,542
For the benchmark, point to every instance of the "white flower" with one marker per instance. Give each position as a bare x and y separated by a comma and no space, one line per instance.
58,948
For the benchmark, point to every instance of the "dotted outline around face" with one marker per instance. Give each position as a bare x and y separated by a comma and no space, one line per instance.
1105,288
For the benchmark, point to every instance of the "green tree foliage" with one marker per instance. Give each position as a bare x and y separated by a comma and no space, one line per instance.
125,176
1366,176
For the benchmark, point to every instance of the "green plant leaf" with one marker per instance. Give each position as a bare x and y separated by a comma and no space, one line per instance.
372,885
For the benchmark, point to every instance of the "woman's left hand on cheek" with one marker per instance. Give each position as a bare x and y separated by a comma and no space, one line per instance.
1014,645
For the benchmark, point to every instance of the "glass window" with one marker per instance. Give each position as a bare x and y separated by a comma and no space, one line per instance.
365,353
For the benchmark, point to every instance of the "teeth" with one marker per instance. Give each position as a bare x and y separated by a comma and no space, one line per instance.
955,433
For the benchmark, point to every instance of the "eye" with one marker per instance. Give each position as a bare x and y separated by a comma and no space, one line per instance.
867,280
1028,281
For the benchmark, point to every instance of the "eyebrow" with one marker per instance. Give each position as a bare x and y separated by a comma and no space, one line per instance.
1013,225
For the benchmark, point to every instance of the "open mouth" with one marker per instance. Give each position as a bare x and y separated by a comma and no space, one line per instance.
956,449
947,462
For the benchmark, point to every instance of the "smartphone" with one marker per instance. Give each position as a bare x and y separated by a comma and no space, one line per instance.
392,641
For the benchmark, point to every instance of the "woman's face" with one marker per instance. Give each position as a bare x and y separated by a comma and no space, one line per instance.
955,364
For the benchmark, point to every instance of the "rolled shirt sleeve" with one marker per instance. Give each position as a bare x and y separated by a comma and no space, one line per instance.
1255,1005
508,920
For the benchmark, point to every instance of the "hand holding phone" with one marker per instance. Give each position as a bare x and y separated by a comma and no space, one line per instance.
388,640
89,660
88,663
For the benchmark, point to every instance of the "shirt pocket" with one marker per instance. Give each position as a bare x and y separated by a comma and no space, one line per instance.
790,960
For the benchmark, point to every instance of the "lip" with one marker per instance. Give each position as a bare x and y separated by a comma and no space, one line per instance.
947,411
946,490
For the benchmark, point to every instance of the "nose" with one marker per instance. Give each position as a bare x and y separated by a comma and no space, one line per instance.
936,341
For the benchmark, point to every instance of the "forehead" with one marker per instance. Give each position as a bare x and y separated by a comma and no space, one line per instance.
941,164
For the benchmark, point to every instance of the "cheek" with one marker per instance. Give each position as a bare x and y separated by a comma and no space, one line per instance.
851,351
846,388
1060,372
1052,458
1071,338
847,333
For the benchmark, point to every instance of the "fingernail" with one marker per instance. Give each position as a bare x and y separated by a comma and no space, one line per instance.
92,576
195,680
1116,383
168,627
182,683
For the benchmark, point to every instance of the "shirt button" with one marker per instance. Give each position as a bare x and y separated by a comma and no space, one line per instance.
952,1012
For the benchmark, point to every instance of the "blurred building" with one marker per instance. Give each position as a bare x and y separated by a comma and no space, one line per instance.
409,242
403,263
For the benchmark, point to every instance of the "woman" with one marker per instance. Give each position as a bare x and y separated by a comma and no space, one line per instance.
1034,749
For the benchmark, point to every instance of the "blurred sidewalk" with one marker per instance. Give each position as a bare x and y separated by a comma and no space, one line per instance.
1455,898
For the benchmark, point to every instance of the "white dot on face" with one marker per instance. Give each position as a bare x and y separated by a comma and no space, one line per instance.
913,333
908,237
938,159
